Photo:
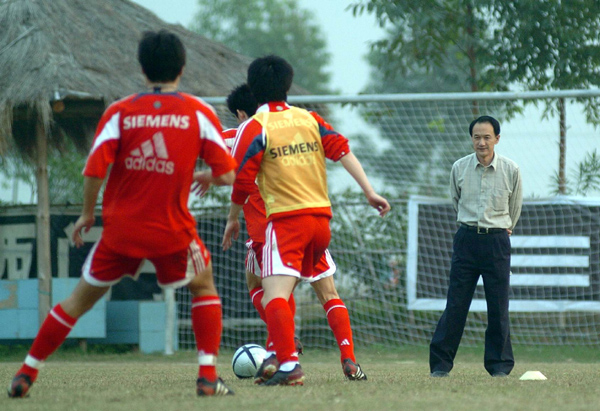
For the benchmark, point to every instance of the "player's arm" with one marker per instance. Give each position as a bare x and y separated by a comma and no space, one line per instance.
233,226
214,152
354,168
102,155
206,177
336,148
91,188
245,183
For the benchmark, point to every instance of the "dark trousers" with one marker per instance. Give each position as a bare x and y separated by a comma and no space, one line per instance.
474,255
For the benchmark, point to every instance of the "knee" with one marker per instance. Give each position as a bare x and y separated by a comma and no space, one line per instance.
326,295
252,281
203,284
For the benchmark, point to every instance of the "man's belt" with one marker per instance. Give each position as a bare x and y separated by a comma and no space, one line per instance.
482,230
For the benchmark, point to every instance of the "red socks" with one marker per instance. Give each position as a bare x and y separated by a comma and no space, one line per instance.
280,325
53,332
207,325
339,322
256,295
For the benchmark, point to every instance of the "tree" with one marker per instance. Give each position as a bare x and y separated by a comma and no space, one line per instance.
493,44
260,27
550,45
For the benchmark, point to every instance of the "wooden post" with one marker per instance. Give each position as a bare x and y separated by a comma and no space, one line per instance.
42,221
562,156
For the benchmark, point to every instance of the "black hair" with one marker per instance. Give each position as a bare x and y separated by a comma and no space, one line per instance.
241,98
270,78
161,55
485,119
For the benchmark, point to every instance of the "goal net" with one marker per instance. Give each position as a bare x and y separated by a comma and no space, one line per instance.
393,272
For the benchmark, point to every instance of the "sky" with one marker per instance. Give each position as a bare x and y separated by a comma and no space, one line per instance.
347,37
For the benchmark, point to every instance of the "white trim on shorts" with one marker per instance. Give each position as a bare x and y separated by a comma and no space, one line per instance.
272,264
252,265
87,266
327,273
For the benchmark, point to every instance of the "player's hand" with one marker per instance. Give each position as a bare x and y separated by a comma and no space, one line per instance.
379,203
200,189
232,232
85,223
509,231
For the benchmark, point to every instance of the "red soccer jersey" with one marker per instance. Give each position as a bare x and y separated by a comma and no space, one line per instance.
153,141
248,151
229,136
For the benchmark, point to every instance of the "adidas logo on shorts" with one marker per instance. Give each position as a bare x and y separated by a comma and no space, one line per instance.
151,156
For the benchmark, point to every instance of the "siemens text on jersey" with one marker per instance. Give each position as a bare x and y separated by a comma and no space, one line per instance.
294,149
163,120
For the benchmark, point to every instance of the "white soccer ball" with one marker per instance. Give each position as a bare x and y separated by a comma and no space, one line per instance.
247,359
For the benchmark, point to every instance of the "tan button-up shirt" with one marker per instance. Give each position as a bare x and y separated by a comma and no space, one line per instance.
489,197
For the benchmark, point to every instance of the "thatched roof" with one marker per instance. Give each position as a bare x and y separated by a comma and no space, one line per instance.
84,53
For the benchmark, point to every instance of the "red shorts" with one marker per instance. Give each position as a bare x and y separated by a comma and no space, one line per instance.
296,245
324,268
103,267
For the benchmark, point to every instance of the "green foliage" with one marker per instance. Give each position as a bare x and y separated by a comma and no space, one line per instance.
585,177
65,164
549,45
447,38
260,27
363,244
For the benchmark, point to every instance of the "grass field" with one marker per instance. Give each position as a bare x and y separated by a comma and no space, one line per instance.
398,380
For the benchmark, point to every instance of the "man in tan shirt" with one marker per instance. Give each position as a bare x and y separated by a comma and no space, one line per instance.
487,196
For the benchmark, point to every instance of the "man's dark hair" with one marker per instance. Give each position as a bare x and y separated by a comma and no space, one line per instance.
241,98
485,119
270,78
161,55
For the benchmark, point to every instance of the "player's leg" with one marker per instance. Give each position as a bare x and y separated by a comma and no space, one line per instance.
254,284
280,326
283,254
337,316
108,269
192,267
253,273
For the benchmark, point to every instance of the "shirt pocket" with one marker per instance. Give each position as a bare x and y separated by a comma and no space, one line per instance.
499,199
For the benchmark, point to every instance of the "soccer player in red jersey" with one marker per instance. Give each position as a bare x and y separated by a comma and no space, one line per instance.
243,105
152,140
285,155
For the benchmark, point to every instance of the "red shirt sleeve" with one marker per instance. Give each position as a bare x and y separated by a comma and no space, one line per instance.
105,145
214,152
335,145
248,151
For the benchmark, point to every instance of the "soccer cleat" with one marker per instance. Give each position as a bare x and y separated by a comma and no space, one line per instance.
269,366
352,371
20,386
205,388
299,346
294,377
